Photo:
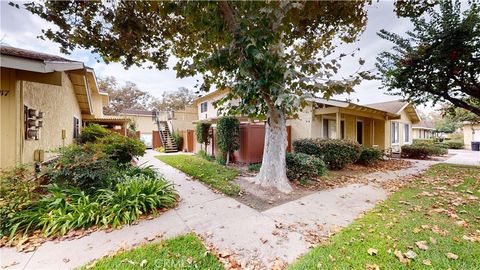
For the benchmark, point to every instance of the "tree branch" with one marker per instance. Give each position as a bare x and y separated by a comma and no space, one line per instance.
228,16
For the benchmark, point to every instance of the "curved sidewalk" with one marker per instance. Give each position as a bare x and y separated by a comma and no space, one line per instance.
253,237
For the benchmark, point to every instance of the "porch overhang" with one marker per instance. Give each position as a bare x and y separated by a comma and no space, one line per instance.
356,110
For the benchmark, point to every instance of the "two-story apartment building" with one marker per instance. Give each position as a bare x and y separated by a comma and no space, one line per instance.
45,100
386,125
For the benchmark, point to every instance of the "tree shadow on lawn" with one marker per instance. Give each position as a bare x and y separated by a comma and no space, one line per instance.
261,198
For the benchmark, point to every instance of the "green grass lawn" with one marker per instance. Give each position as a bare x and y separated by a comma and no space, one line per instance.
217,176
182,252
436,215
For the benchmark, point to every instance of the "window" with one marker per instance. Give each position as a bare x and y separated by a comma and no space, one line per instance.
406,132
76,127
330,129
395,132
203,107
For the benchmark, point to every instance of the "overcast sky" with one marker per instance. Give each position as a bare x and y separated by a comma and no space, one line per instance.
19,28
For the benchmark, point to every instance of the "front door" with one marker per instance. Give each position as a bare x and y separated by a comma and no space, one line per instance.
360,132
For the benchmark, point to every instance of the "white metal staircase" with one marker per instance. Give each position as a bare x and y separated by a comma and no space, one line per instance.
165,134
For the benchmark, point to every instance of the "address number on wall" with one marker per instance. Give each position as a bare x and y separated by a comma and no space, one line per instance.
4,93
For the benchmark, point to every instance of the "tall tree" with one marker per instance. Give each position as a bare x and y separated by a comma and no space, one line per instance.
439,60
175,100
124,97
272,55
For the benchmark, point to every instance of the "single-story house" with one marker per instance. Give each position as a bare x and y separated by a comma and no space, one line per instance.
423,130
145,122
471,133
44,102
386,125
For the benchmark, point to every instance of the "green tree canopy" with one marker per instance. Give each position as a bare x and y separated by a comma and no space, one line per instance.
271,54
439,60
124,97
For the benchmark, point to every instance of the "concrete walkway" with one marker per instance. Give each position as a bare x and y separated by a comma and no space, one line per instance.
253,237
464,157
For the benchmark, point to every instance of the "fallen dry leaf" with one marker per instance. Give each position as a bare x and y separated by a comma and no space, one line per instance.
372,251
400,256
410,254
372,267
433,240
451,256
427,262
421,245
143,263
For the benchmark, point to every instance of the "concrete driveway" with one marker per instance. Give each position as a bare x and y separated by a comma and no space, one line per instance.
464,157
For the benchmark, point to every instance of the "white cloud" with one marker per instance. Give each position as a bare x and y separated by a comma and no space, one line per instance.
20,28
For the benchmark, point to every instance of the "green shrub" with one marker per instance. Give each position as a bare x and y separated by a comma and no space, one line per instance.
120,148
92,132
160,149
204,155
369,155
129,170
422,151
66,209
178,140
17,191
454,144
82,166
335,153
255,167
133,197
202,132
228,136
220,158
423,141
304,167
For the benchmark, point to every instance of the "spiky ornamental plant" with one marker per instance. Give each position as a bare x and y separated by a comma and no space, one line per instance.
272,55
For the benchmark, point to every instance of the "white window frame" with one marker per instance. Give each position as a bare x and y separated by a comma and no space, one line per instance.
393,133
331,118
206,107
406,130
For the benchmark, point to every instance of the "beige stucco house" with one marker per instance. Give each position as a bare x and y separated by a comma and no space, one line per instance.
44,102
471,133
386,125
423,130
146,125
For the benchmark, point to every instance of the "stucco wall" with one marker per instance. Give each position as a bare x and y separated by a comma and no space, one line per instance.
144,123
212,112
302,125
404,119
9,119
59,105
470,133
97,104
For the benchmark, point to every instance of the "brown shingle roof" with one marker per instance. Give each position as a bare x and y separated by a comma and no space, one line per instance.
137,112
394,106
423,124
33,55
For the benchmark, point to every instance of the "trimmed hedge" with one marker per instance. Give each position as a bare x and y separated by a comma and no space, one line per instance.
335,153
369,155
304,167
454,144
422,151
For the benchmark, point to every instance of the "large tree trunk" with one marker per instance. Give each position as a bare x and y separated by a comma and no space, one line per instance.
273,172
